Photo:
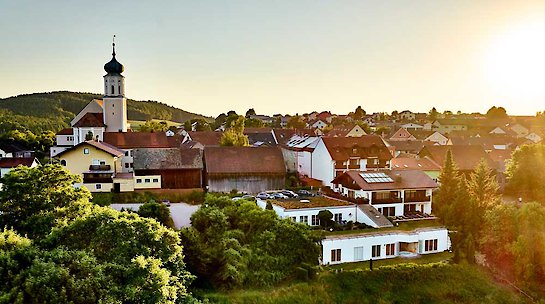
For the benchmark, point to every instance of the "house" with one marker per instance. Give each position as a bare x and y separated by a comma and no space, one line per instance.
346,131
14,150
246,169
333,156
412,126
99,164
407,115
128,141
425,164
297,153
178,168
411,147
306,212
204,138
261,137
263,118
533,137
448,125
519,130
378,245
318,124
438,138
9,163
466,157
391,192
402,134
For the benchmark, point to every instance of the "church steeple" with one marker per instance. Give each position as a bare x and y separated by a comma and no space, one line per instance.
115,104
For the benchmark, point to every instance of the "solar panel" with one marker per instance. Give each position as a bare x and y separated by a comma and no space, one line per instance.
376,177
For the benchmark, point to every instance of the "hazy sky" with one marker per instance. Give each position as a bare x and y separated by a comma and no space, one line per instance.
284,56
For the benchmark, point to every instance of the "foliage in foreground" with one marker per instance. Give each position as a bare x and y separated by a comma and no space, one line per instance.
434,283
78,252
231,244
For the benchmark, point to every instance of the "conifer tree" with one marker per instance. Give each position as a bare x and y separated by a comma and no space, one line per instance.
446,195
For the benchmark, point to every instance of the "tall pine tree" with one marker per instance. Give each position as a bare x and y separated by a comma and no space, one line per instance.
446,194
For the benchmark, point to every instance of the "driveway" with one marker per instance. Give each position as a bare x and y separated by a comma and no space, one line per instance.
180,212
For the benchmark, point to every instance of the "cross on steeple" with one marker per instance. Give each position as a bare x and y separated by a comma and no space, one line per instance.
113,45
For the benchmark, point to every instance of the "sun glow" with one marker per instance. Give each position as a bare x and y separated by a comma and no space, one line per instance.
515,63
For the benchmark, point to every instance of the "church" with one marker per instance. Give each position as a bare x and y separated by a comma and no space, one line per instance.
101,147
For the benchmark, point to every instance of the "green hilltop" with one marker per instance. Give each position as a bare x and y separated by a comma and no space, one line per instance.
39,112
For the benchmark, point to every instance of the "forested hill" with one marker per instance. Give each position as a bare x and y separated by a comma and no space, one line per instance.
53,111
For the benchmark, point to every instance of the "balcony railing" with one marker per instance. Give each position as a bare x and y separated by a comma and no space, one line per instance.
97,180
418,198
99,168
388,200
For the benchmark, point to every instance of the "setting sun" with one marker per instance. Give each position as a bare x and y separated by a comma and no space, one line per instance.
515,62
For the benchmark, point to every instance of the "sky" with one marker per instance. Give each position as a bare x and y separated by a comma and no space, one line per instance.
285,57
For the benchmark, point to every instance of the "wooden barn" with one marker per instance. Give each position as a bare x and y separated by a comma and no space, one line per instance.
246,169
179,168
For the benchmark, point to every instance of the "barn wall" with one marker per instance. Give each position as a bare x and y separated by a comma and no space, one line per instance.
249,184
176,178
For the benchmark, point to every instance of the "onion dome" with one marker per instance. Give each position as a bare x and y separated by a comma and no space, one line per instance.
113,67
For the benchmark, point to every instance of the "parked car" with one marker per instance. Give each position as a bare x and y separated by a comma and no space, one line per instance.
166,202
263,196
248,197
289,193
236,198
279,195
304,192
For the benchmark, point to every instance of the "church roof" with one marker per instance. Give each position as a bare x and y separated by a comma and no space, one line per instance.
91,120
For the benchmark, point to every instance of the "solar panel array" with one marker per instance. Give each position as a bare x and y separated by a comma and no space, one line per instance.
376,177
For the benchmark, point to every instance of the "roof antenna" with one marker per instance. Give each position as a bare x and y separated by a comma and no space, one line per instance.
113,46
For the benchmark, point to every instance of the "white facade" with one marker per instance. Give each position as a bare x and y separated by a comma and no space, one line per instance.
322,164
127,161
319,125
383,245
309,216
80,134
437,138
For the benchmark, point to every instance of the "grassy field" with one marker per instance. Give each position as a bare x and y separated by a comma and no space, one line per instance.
135,124
402,283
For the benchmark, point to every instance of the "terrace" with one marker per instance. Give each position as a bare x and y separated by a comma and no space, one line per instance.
314,202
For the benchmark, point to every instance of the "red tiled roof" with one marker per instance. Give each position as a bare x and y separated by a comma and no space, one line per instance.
466,157
410,163
99,145
67,131
12,162
244,160
130,140
91,120
342,148
206,138
402,179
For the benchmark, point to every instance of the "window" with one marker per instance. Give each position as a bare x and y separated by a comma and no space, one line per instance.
390,249
98,186
131,165
358,253
303,219
126,153
138,180
147,180
375,251
389,211
293,219
315,220
112,90
63,162
102,162
126,165
338,217
431,245
335,255
155,180
85,150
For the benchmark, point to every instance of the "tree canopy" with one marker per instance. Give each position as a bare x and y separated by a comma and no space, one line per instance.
231,244
77,252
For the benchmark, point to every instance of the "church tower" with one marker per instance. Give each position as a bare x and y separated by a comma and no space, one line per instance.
114,101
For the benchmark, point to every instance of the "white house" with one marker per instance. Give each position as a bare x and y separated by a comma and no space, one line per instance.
392,192
383,245
333,156
306,211
437,138
9,163
412,126
407,115
318,124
